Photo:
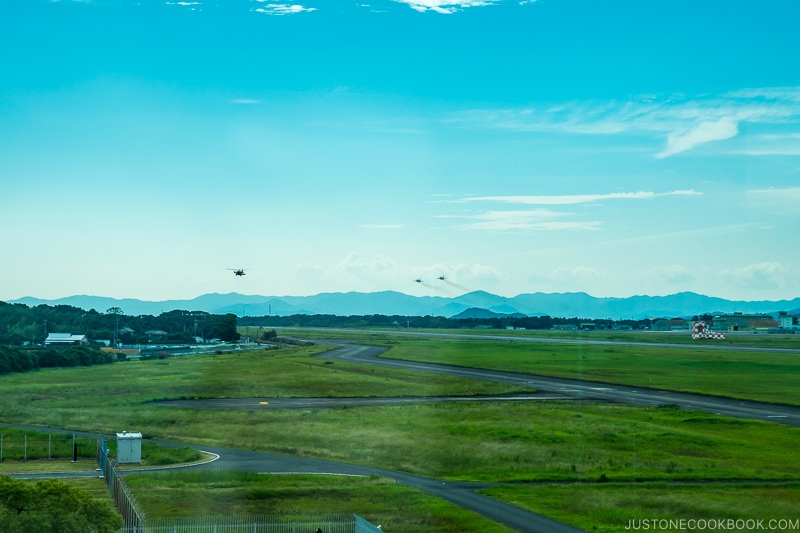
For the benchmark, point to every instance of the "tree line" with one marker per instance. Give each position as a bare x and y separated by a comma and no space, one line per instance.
434,322
52,506
19,360
20,324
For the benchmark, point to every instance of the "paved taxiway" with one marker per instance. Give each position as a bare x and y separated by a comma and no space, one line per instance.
581,390
547,388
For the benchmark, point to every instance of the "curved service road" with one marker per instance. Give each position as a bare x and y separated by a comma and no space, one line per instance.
578,389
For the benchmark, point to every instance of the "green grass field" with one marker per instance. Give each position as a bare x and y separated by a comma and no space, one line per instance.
380,501
609,508
26,451
502,442
761,376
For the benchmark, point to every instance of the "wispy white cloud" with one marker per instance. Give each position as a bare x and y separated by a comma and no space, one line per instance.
570,276
382,226
785,199
386,272
767,275
531,220
571,199
572,273
282,9
445,7
683,124
355,266
545,219
471,275
718,130
185,4
770,144
674,274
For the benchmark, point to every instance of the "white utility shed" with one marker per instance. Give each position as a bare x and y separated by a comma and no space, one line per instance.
129,448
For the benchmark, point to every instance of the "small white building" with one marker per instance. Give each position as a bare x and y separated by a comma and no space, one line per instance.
129,448
66,339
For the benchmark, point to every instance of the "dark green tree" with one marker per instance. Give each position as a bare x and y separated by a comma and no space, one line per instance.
52,506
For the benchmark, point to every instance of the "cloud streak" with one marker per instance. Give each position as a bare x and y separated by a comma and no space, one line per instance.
766,275
382,226
543,219
282,9
786,199
531,220
717,130
572,199
682,124
444,7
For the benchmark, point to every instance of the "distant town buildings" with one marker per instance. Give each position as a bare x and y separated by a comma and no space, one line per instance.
785,321
733,322
742,322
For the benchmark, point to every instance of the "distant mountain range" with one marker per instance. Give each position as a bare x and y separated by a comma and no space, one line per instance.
684,304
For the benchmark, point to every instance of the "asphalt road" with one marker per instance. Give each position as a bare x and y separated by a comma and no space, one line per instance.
327,403
458,493
732,343
581,390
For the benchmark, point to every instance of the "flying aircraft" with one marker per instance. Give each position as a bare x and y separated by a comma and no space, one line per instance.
442,278
237,271
418,280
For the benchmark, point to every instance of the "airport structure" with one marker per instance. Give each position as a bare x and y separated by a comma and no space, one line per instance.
700,330
743,322
129,448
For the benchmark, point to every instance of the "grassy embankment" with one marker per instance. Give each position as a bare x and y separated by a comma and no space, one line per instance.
471,441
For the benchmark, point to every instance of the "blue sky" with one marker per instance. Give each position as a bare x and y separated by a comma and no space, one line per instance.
616,148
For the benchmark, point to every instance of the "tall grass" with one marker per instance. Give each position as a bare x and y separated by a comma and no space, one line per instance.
610,508
395,507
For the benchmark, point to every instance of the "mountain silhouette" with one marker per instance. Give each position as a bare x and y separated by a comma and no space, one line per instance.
579,304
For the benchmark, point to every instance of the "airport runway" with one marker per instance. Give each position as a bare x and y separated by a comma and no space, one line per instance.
328,403
730,344
580,390
547,388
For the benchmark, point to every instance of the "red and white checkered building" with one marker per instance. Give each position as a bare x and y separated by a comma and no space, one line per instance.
700,330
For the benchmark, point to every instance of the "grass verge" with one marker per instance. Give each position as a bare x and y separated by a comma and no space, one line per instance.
618,508
395,507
